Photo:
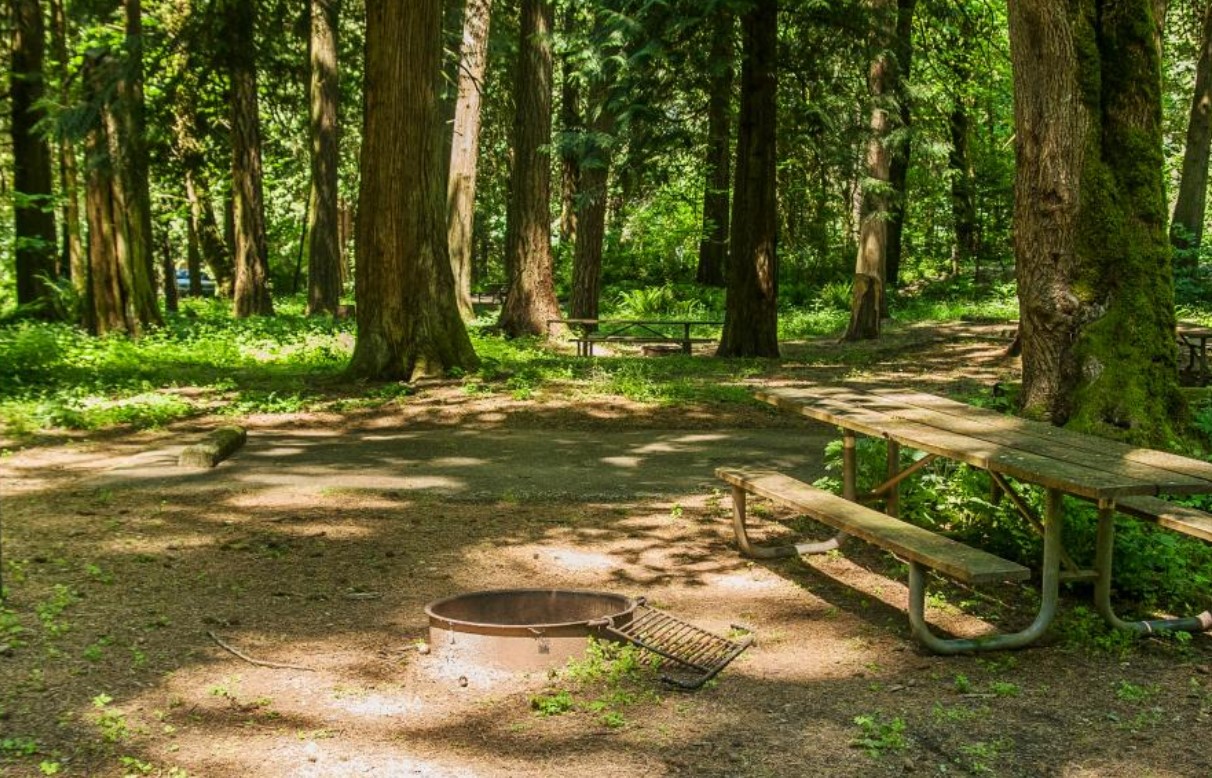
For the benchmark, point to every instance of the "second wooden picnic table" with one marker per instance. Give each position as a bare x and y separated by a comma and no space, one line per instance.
1061,461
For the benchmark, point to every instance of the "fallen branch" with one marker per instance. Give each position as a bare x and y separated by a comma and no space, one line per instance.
256,662
214,448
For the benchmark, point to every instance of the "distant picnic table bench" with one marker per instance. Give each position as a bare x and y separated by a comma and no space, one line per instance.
673,332
1195,338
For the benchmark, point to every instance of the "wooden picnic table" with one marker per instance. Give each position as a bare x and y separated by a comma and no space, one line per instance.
1061,461
671,331
1195,337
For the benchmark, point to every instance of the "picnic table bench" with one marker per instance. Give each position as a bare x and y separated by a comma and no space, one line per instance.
674,332
1116,476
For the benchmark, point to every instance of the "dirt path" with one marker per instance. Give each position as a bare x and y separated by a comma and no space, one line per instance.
320,542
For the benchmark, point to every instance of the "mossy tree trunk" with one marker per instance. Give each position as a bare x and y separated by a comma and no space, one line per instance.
1187,229
323,247
867,303
594,169
1095,285
713,246
530,300
751,303
408,320
73,257
465,149
570,124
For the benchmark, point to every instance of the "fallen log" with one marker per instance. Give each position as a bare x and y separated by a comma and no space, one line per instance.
217,446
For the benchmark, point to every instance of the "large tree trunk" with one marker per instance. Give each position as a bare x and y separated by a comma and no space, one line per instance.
1096,307
32,179
105,309
408,320
531,301
132,197
1187,229
465,149
73,256
713,247
251,294
898,170
323,248
751,307
867,303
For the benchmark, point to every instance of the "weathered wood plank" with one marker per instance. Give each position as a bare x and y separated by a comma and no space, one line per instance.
218,445
962,562
851,411
1180,518
1180,465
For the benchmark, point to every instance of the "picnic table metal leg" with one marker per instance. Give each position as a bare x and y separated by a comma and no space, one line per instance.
750,549
1049,594
1104,553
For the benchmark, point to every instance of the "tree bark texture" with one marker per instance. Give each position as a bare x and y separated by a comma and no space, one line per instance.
1094,276
898,168
530,300
963,204
751,306
105,309
323,247
408,319
1187,228
570,123
867,304
713,247
132,195
591,209
34,215
251,292
73,256
465,149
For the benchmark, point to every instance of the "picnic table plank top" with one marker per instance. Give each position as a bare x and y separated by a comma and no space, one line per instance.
1079,464
1193,330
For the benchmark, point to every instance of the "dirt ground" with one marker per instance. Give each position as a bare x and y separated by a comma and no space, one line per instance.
316,547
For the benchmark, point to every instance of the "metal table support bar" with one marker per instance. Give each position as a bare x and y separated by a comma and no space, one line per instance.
754,551
1049,595
1104,551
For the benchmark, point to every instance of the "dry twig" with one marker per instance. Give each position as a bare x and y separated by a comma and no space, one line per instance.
256,662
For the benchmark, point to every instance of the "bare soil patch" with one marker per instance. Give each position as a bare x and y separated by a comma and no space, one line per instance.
319,544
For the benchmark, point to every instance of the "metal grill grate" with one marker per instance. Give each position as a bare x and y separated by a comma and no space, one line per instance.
696,654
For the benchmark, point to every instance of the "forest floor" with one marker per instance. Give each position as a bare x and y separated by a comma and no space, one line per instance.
319,544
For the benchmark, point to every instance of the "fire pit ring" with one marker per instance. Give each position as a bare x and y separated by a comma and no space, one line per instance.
522,630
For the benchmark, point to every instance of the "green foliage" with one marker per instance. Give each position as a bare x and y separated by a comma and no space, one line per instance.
610,678
877,736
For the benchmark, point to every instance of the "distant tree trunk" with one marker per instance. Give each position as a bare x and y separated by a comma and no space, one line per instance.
713,247
465,149
1160,9
132,197
324,252
898,170
963,206
74,258
1094,276
193,255
570,122
867,304
591,210
1187,229
251,293
34,229
751,310
206,227
168,274
408,319
531,301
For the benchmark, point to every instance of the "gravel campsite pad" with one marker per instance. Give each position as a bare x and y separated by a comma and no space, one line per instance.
265,617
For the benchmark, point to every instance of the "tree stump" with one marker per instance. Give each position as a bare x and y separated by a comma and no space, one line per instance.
217,446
